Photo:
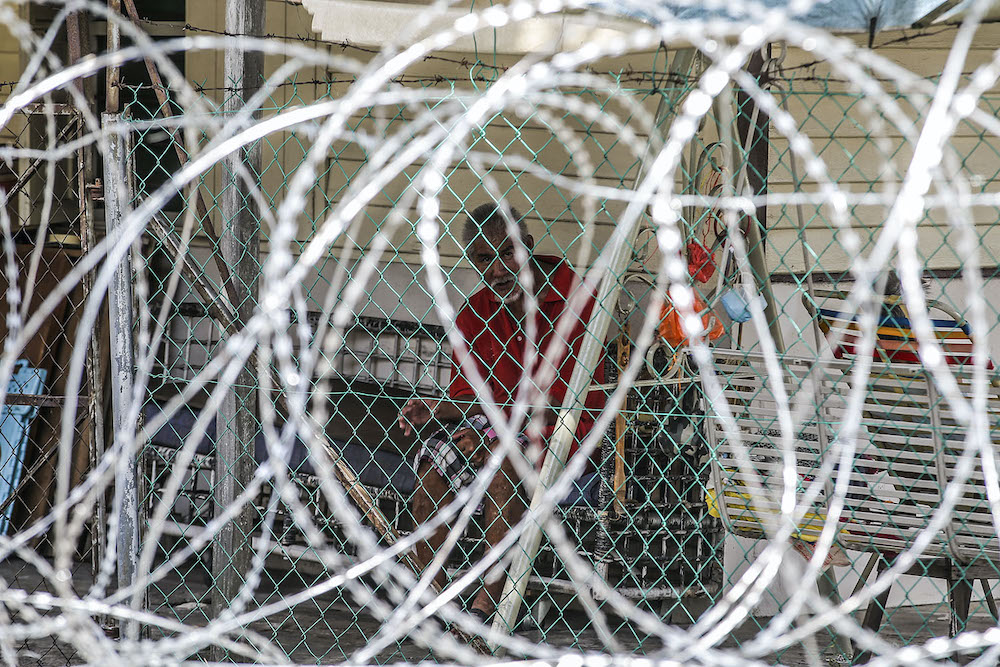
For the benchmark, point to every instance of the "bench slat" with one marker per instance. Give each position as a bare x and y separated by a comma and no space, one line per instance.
908,447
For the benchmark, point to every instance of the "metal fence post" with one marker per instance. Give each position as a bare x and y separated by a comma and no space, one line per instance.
752,128
237,426
120,320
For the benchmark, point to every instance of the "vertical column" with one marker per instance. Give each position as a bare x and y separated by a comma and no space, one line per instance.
112,104
237,426
120,319
79,37
752,127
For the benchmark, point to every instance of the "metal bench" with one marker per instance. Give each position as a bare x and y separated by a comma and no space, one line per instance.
908,446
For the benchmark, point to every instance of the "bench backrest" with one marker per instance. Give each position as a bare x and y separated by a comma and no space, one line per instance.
908,444
895,342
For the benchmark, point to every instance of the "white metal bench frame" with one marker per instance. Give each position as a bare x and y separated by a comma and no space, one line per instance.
912,442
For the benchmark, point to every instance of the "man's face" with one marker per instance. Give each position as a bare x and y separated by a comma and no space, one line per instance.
495,257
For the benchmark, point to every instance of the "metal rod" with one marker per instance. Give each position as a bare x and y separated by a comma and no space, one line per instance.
112,103
624,341
236,424
591,353
752,128
826,584
78,36
865,573
38,400
80,45
120,319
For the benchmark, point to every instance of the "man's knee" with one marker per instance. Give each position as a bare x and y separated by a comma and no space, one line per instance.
504,502
429,492
506,479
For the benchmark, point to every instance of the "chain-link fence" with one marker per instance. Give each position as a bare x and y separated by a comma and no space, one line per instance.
727,396
637,516
665,513
50,424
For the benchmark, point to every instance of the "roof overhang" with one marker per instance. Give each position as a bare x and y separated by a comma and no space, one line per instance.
375,24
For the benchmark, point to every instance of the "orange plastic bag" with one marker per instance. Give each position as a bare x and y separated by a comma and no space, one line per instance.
670,322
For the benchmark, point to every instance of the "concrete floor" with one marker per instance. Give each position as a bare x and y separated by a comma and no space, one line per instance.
327,629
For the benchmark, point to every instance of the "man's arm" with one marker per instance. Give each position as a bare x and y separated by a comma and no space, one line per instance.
418,412
460,401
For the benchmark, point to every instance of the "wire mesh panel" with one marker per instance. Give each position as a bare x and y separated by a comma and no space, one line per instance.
669,340
648,515
46,227
649,536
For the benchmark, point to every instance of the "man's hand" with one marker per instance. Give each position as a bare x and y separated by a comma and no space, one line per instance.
474,445
416,413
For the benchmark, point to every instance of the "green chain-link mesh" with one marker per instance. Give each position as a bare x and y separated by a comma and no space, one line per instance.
643,521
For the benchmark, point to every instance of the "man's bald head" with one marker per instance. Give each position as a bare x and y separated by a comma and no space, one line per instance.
489,220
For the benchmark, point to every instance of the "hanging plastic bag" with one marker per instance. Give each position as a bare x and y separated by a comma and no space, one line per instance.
671,329
737,307
701,263
700,257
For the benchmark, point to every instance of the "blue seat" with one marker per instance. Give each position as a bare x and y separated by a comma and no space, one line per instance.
15,422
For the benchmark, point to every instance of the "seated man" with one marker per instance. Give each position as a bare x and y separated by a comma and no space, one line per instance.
493,324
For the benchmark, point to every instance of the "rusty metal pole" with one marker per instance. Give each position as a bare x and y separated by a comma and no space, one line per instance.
752,132
113,79
237,425
120,319
79,37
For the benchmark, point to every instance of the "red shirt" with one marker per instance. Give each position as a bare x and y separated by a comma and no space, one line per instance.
498,342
